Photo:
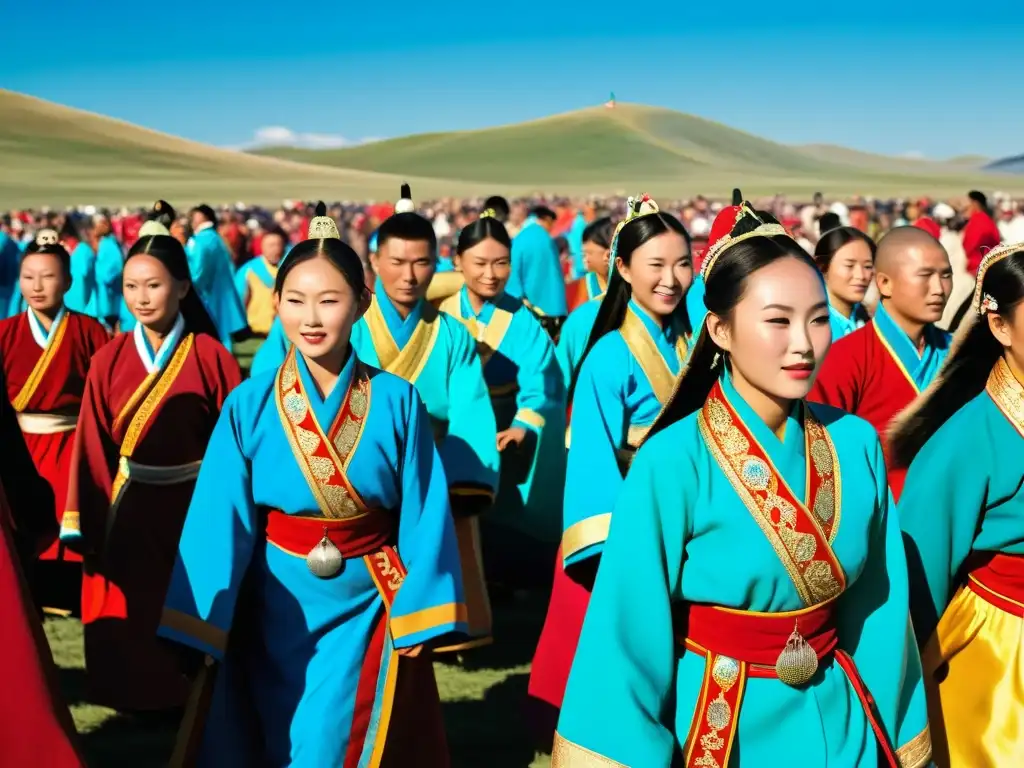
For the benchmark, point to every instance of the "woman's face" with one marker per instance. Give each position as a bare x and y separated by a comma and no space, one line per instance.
1009,332
43,282
595,258
850,272
660,273
778,333
486,267
151,292
318,308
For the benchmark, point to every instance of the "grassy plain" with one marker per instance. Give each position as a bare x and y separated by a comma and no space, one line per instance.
54,155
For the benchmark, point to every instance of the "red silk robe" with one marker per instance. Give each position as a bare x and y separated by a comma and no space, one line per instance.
61,381
35,726
129,557
860,376
980,236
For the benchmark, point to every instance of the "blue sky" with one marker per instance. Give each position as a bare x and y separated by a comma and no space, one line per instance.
871,76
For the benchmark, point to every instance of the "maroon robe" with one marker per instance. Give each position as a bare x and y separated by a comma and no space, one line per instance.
861,377
129,558
59,390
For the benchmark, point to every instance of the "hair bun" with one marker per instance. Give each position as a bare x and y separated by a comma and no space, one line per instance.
737,196
406,192
321,209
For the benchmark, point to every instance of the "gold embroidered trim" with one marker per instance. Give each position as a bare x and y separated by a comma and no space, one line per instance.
408,362
71,520
28,389
194,627
917,752
757,482
325,474
645,352
488,336
428,618
1007,393
896,359
532,418
566,754
586,533
145,412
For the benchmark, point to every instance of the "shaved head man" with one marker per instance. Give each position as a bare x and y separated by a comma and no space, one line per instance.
876,371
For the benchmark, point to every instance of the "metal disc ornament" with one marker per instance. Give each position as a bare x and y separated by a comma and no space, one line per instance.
325,560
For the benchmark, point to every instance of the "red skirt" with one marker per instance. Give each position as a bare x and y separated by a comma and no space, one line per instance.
555,652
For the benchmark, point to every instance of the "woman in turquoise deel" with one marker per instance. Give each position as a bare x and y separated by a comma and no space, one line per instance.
752,601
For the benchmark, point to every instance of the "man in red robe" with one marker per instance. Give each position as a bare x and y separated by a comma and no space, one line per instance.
980,233
876,371
35,725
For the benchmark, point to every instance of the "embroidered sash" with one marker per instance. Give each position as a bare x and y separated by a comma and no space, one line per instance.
28,389
324,459
488,336
800,536
407,363
1007,394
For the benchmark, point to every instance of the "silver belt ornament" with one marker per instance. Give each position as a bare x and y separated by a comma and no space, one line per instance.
325,559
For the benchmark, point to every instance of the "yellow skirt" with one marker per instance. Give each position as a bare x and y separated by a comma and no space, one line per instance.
974,672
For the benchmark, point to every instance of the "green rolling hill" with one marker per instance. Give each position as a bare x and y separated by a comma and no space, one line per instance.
55,155
601,149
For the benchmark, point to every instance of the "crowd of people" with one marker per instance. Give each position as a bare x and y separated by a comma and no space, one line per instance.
738,442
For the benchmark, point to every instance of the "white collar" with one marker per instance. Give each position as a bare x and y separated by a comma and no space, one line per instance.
155,361
205,225
41,336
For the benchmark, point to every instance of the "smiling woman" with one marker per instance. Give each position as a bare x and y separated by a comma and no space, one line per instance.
322,488
798,622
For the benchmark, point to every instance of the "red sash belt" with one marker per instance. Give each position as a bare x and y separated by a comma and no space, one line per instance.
757,638
354,536
739,644
998,578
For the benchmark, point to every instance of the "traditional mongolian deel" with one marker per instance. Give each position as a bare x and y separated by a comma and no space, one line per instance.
338,555
741,620
962,511
145,420
876,372
435,353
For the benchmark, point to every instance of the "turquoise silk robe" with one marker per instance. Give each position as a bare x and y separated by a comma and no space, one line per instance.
109,266
272,351
212,270
81,297
572,339
526,390
537,271
964,492
300,641
844,326
447,373
10,263
923,366
624,383
681,533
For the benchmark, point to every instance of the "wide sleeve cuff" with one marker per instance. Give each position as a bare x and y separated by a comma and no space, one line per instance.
428,624
917,752
193,632
584,538
529,419
565,754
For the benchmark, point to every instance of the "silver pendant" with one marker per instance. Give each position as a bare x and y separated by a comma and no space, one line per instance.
325,560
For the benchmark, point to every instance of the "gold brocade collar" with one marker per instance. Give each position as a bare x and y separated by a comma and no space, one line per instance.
1007,393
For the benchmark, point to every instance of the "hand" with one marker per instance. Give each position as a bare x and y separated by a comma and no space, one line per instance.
511,436
412,652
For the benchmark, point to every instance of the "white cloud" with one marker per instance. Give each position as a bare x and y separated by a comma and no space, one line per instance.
280,136
913,155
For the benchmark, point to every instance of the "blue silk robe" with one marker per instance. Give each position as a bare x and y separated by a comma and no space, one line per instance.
572,340
212,270
844,326
575,239
681,533
10,261
81,297
272,351
537,271
254,282
109,266
302,640
526,390
624,383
